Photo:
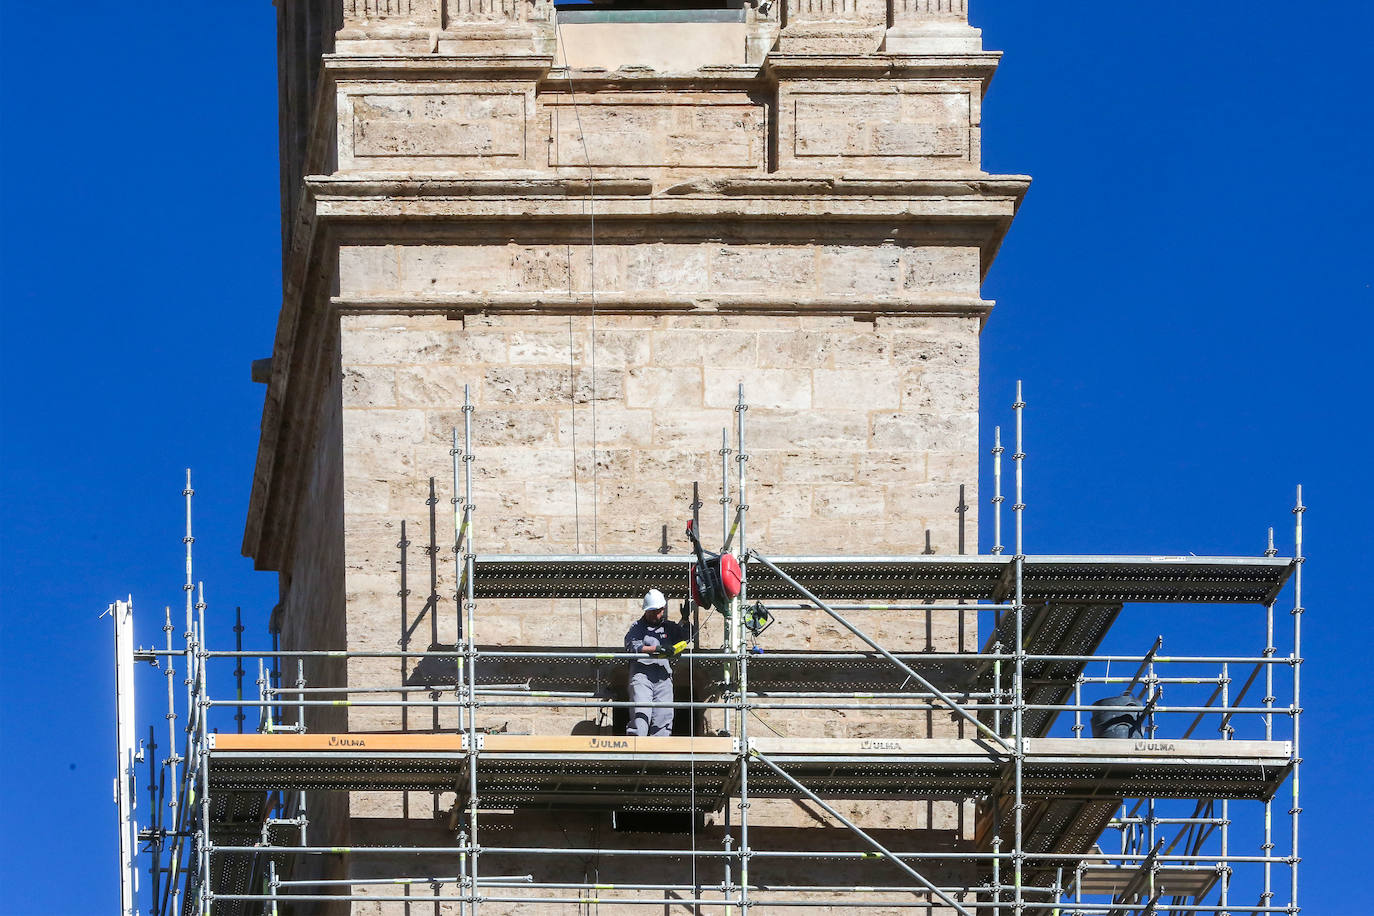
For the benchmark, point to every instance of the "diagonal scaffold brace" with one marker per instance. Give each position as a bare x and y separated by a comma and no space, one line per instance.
948,701
887,853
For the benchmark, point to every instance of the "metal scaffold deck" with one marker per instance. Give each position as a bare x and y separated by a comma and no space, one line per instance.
651,773
917,578
1057,819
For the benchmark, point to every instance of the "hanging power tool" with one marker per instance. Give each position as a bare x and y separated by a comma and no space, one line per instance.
716,577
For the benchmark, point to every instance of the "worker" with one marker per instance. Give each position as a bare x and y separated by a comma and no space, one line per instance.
656,641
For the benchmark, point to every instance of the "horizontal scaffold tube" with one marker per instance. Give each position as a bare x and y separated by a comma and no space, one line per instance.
495,880
1281,660
481,898
1047,857
917,703
892,607
289,693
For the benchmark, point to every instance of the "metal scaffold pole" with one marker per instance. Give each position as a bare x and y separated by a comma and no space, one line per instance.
470,654
1267,844
202,755
173,758
1298,560
1019,686
997,490
737,629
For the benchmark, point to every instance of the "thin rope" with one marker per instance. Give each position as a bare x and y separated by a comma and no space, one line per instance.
590,201
572,380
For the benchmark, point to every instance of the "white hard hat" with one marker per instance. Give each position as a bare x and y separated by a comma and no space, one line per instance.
653,600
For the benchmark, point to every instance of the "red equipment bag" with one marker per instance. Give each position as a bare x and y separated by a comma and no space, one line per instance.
731,576
716,578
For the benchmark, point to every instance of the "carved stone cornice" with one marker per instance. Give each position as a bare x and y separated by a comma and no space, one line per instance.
422,67
980,66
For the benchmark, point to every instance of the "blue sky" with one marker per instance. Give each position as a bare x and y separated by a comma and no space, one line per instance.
1185,294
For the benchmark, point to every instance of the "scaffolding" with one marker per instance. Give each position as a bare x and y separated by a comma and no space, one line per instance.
1162,820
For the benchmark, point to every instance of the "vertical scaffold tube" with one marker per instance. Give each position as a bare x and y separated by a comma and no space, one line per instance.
1267,845
463,905
470,652
1226,730
203,757
1018,714
189,588
460,517
238,667
737,628
173,758
1296,810
724,485
997,489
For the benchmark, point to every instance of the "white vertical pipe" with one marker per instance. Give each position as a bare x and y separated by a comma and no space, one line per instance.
126,799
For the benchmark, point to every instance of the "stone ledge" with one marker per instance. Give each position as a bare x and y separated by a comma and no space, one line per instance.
521,184
453,66
981,65
739,208
629,304
530,184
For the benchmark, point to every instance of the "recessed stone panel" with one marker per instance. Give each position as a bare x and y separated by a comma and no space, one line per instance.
456,124
658,133
919,125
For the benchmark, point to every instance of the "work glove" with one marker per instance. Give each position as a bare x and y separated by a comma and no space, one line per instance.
672,651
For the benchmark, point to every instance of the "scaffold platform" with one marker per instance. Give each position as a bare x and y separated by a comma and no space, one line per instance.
1108,579
608,771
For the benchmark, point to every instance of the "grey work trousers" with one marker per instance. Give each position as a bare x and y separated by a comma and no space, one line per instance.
651,684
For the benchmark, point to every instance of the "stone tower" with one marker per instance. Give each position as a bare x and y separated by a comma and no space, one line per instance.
603,220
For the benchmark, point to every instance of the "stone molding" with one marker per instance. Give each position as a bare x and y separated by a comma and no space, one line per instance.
613,304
